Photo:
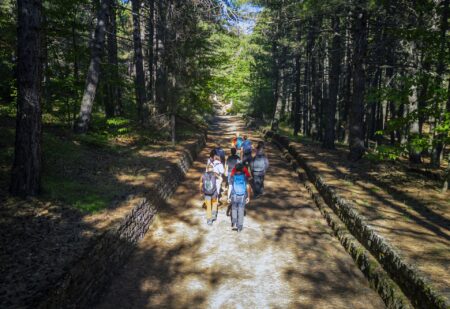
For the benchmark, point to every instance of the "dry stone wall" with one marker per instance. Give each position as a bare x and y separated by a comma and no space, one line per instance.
85,280
408,278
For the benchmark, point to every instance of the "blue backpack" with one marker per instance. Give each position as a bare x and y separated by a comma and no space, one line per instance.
247,146
239,142
239,184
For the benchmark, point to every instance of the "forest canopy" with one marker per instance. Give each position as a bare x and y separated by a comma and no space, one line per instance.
372,75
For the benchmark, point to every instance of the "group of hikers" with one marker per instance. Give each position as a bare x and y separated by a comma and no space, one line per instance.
242,173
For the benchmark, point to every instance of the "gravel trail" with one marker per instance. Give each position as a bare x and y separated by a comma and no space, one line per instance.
285,257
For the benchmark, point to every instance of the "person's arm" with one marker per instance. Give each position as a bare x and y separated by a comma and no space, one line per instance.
247,173
230,187
249,191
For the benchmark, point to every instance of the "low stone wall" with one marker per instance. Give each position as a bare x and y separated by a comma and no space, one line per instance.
83,283
379,280
414,285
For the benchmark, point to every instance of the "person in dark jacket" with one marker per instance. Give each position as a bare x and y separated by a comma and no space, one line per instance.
259,166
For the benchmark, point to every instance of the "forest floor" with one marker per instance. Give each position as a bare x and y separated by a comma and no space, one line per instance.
406,208
285,257
89,182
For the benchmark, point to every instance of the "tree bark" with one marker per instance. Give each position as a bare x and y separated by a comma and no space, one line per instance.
335,71
315,94
114,104
161,82
151,50
81,125
297,98
26,169
438,144
141,97
356,138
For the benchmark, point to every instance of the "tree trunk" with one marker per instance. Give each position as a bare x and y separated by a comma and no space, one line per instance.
278,95
315,98
447,170
151,50
347,91
81,125
160,58
114,104
297,99
306,78
26,169
440,69
414,152
139,64
356,141
335,71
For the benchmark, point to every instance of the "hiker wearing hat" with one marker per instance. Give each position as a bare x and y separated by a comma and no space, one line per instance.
238,195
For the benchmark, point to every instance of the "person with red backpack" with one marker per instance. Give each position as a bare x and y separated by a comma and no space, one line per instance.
259,166
208,188
238,195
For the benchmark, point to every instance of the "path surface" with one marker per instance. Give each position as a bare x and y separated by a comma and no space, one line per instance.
285,257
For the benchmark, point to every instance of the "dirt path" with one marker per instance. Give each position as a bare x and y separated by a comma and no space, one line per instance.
284,258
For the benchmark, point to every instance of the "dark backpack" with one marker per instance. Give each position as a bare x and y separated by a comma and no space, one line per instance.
247,146
239,184
232,162
239,142
259,164
209,183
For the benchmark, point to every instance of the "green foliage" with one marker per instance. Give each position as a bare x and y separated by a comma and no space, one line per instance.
230,79
385,152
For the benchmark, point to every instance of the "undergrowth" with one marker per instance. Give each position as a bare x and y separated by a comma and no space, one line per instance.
79,170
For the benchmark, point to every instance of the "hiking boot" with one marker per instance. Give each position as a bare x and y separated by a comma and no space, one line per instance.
233,226
239,229
209,222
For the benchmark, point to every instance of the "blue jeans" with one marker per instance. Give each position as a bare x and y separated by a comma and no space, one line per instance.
247,158
258,184
237,210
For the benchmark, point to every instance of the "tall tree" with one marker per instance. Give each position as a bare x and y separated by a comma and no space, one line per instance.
297,89
26,170
444,49
114,100
356,138
141,97
81,125
151,59
335,71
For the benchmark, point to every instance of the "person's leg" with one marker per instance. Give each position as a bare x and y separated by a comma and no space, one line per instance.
240,210
259,184
214,208
219,186
234,214
262,185
208,203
